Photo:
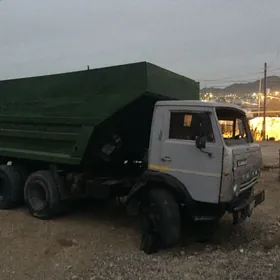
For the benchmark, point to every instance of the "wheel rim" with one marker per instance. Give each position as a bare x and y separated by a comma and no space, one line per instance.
37,196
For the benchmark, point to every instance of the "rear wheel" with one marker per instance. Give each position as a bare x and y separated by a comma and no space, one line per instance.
160,220
41,195
11,187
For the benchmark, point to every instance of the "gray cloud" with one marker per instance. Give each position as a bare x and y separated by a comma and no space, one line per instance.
203,39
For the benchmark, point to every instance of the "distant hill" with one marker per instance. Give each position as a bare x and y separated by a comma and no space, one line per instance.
273,83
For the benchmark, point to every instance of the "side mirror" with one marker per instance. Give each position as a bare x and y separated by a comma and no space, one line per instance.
200,142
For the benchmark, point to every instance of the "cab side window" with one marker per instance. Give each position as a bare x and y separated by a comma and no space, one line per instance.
186,126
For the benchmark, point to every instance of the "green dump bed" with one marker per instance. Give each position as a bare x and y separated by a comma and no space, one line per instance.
67,118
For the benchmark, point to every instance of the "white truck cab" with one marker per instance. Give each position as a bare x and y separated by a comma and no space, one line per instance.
204,156
227,164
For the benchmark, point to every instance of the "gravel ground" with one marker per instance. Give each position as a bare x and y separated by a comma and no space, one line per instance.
96,243
103,244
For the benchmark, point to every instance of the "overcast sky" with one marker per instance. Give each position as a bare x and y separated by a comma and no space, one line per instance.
219,40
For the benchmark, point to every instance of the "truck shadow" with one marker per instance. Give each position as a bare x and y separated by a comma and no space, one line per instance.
227,236
106,211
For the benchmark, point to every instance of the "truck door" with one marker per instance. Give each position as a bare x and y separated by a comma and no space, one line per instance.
199,170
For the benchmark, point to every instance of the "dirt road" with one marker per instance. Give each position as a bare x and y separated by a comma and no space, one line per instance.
270,151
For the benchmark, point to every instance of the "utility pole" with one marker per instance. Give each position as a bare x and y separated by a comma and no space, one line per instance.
259,98
264,102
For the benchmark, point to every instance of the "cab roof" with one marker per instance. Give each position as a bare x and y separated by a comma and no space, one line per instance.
199,103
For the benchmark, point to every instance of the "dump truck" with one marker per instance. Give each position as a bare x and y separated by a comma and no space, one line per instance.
134,131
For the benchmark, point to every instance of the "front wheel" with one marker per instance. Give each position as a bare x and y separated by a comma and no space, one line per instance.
161,220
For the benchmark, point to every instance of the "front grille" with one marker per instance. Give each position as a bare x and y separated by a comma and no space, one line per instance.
248,184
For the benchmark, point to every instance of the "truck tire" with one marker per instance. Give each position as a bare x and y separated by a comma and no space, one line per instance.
160,220
11,187
41,195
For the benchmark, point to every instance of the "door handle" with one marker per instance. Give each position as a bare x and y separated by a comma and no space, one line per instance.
166,159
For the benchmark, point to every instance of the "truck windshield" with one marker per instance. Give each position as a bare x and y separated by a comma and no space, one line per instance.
234,127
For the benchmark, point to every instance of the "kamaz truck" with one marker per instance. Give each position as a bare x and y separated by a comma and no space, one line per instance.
136,132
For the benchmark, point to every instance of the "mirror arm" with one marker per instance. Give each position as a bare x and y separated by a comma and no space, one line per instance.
209,154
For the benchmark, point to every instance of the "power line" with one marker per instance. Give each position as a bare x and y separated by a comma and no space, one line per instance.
242,83
226,83
235,78
229,77
274,69
238,81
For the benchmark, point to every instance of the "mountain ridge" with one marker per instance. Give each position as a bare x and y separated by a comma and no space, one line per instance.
273,84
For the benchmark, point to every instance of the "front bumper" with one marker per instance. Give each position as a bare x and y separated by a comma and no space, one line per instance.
245,208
